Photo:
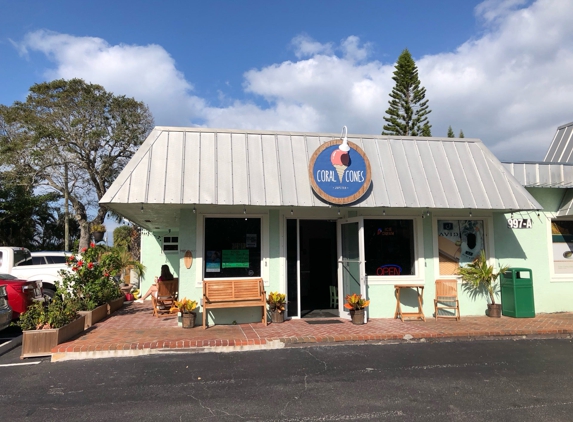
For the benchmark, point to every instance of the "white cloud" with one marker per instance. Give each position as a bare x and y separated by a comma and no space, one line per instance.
147,73
510,86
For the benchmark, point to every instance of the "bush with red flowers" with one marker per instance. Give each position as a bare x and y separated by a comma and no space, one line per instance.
89,278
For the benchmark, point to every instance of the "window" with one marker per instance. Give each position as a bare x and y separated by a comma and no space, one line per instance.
38,260
389,247
459,243
56,259
22,257
562,239
232,247
170,244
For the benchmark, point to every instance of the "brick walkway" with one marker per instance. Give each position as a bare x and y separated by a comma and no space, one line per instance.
134,328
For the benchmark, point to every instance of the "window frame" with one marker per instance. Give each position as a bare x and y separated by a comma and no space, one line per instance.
163,243
489,245
419,267
553,277
200,246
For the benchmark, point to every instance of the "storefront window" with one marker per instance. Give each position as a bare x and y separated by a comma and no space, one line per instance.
232,247
389,247
459,243
562,237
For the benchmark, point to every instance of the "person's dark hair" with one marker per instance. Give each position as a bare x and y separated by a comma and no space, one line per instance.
165,273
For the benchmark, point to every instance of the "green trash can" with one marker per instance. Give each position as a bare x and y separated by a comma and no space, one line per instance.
517,293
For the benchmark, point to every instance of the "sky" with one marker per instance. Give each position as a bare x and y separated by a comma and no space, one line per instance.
500,70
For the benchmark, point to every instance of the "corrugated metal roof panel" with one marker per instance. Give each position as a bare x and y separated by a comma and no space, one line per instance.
174,170
548,175
257,192
192,162
225,169
240,167
208,170
158,171
209,166
301,185
561,147
286,166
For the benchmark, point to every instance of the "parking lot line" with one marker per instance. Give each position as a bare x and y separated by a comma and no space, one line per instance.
20,364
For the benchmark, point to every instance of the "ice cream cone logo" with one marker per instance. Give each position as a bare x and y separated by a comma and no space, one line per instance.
340,159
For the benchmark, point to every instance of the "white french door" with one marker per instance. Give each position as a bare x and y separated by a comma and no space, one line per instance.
351,262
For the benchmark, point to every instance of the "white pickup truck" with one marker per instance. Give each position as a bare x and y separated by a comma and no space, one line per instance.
18,262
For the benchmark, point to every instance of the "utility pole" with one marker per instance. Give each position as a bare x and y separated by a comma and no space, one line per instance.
66,210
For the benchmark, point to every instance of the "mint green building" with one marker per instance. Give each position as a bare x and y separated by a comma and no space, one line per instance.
318,216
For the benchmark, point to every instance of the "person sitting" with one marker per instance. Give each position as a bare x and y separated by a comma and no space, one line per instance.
165,275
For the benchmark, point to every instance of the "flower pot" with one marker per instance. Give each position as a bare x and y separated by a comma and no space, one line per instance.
494,311
277,317
357,316
188,320
115,304
98,236
94,315
37,343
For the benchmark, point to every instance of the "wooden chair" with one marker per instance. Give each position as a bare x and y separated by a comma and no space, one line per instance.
333,297
447,299
167,292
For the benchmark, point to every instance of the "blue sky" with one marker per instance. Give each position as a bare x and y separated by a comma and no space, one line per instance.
498,69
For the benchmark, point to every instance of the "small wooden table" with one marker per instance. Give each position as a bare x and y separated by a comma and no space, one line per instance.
420,291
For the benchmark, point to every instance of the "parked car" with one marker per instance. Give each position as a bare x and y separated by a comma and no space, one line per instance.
49,257
21,293
5,309
18,262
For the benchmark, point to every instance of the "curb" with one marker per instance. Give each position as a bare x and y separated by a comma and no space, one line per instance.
104,354
10,345
288,343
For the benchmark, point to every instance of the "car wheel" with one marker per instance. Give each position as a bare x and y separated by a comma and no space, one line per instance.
49,294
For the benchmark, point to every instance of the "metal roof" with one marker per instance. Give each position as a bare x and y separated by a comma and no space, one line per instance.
178,165
542,175
561,148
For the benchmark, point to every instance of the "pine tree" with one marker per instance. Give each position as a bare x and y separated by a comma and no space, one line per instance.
451,132
461,135
407,114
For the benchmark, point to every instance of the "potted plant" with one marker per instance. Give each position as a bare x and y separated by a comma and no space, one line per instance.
97,231
277,302
480,278
356,304
44,327
186,307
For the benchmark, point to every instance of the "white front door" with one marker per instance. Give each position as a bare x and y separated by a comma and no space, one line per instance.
351,262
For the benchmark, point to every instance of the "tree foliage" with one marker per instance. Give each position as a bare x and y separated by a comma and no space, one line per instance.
75,135
408,112
451,132
461,135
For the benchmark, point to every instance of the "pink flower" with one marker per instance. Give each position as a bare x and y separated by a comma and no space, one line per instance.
80,263
90,265
92,245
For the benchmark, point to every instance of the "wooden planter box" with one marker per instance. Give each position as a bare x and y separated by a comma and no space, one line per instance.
94,315
115,304
40,342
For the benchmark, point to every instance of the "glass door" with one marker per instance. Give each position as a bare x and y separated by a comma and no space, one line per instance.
351,263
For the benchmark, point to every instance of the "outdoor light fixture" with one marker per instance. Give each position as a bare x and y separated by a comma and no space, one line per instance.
338,211
244,210
538,214
141,208
169,230
194,210
511,216
383,211
291,211
471,212
427,212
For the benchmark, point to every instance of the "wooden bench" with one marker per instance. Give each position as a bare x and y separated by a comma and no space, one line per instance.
240,293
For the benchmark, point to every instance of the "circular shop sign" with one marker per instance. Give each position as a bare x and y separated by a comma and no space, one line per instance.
339,172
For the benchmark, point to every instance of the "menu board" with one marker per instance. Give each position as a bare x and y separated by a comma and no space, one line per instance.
235,258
